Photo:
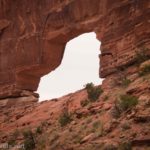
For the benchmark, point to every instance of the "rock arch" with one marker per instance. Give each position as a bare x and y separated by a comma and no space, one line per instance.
79,66
33,34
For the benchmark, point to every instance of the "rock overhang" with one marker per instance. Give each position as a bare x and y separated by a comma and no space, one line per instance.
34,34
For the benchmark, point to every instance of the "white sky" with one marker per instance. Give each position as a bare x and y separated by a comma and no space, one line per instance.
80,65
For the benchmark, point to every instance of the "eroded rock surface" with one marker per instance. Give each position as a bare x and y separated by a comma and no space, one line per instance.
95,125
33,35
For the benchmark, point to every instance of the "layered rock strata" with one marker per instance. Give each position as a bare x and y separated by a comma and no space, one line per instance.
33,35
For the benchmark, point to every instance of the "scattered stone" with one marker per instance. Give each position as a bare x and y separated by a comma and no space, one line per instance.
107,106
88,138
122,136
73,122
82,113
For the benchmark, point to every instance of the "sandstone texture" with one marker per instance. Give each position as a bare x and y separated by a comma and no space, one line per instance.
96,125
33,35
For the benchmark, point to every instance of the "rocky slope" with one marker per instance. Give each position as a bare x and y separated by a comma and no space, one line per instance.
118,119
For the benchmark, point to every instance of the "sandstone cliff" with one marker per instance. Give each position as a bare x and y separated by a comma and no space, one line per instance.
33,35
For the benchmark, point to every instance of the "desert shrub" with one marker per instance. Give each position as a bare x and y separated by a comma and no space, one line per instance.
98,128
142,55
27,133
84,103
115,111
93,92
39,130
29,143
64,119
125,126
145,70
125,146
11,142
96,124
89,86
125,82
127,102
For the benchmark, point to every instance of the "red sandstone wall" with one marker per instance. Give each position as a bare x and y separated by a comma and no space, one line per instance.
33,34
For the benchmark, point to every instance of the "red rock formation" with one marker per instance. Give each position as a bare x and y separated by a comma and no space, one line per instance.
95,124
33,35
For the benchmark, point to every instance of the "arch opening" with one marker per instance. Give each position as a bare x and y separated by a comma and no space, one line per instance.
80,65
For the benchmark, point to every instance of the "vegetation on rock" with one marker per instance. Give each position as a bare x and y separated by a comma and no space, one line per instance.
125,146
145,70
142,55
127,102
126,82
39,130
84,102
29,142
93,92
64,119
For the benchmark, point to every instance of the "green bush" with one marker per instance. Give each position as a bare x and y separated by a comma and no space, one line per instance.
97,128
127,102
126,82
97,124
39,130
116,112
93,92
145,70
142,55
11,142
29,143
89,85
64,119
125,126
